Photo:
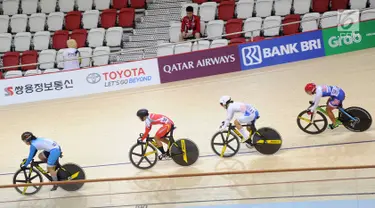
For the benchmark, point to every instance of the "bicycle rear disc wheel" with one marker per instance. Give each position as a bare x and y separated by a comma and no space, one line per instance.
142,156
318,126
70,171
177,155
25,176
363,119
227,148
268,142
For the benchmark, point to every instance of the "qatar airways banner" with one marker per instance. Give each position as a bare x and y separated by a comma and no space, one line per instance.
79,82
199,64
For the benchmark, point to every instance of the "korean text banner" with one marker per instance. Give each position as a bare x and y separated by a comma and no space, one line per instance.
281,50
199,64
79,82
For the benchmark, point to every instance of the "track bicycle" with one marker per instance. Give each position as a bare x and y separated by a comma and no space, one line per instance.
354,118
68,171
266,140
183,151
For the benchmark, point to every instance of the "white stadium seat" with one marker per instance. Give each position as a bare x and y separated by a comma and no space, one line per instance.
329,19
84,5
22,41
183,8
4,23
90,19
113,36
29,6
101,56
85,52
219,43
201,45
207,11
245,9
263,8
101,4
358,4
95,37
55,21
352,15
372,3
49,56
18,23
165,49
301,6
283,7
182,48
48,6
253,24
13,74
310,22
37,22
10,7
203,28
60,59
214,29
275,23
368,14
5,42
32,72
66,5
174,32
51,70
41,40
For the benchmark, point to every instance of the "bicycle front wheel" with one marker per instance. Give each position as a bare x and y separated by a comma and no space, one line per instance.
225,145
25,177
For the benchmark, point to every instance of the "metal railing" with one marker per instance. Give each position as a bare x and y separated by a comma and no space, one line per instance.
124,52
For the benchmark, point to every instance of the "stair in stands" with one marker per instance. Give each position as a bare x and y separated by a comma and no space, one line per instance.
155,12
146,31
161,18
149,37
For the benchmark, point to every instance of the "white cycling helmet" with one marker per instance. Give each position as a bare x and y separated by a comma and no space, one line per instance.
225,99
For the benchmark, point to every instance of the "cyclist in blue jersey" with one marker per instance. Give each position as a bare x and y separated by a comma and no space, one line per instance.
51,153
336,97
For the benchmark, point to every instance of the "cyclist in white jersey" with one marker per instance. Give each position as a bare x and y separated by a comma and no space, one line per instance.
248,116
51,153
336,97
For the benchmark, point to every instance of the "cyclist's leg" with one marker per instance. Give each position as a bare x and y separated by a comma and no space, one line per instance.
54,155
160,136
247,119
334,103
43,156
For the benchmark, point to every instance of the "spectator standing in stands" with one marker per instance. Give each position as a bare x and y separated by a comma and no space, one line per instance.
71,55
190,26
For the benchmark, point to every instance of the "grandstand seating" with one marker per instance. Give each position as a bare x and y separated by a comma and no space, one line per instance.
29,57
11,59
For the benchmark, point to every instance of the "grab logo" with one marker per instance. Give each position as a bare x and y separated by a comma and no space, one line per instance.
8,91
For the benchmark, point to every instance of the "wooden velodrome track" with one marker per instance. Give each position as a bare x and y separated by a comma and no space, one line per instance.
97,131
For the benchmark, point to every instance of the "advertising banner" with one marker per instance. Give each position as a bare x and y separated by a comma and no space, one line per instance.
355,37
281,50
80,82
199,64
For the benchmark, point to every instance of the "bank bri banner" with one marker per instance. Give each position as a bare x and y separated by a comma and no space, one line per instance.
281,50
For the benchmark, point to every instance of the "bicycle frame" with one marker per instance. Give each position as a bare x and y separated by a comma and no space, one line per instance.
322,109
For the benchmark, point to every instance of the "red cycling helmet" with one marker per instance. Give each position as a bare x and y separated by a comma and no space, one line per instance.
310,88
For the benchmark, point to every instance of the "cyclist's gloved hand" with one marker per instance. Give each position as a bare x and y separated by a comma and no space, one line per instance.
309,112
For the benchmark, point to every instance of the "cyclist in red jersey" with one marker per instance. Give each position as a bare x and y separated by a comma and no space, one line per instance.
156,119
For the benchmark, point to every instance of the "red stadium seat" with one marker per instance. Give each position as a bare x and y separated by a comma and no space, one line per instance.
320,5
73,20
226,10
119,4
138,4
80,36
293,28
232,26
108,18
1,75
29,57
126,17
339,4
199,1
257,38
59,39
237,41
11,59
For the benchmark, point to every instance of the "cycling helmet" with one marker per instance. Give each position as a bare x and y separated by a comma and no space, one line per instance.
310,88
142,113
27,136
224,100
